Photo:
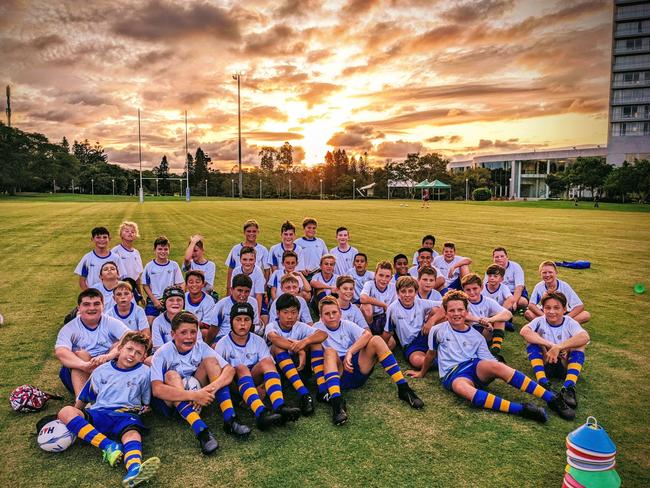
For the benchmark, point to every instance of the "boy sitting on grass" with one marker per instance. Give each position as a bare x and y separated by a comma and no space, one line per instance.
323,282
428,241
240,292
248,268
197,300
289,285
290,263
127,311
427,281
129,260
495,289
425,258
313,247
452,267
287,243
360,274
513,278
346,286
401,266
376,296
159,273
173,301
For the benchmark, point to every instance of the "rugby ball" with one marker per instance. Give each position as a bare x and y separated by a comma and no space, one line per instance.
55,437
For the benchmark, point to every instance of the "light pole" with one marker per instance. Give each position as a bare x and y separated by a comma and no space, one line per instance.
135,190
54,186
113,181
92,186
354,187
156,186
321,188
289,188
466,189
232,182
73,187
237,76
140,159
260,188
206,188
187,167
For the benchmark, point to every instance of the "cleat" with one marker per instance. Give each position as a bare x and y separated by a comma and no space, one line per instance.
236,429
288,414
339,415
323,397
144,473
533,412
408,395
208,442
113,454
267,420
559,406
307,405
568,394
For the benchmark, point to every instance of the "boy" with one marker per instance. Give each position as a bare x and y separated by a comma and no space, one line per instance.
87,341
313,247
173,301
376,296
88,267
251,358
360,274
350,356
195,259
220,317
497,291
323,282
251,232
401,264
425,258
197,300
173,365
129,259
159,273
550,282
486,314
248,267
289,285
288,236
290,340
344,253
466,366
451,267
346,287
406,318
429,242
289,262
108,279
427,279
556,345
127,311
513,278
114,410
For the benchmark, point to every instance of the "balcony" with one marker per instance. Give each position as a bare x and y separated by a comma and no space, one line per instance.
642,49
633,12
637,117
632,31
631,84
631,100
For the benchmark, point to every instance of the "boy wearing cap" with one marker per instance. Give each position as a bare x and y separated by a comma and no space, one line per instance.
173,301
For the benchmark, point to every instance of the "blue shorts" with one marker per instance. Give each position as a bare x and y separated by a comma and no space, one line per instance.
150,310
159,406
378,324
466,369
356,379
420,344
66,378
524,293
114,424
454,285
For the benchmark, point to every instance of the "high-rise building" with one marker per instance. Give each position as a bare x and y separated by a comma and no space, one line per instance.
629,102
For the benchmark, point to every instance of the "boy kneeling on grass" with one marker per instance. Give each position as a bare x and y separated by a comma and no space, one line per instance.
112,422
466,366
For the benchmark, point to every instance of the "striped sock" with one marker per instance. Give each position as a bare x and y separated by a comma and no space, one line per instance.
391,367
274,389
249,394
488,400
133,455
186,411
225,403
88,433
333,381
290,372
536,359
573,369
317,365
497,341
524,383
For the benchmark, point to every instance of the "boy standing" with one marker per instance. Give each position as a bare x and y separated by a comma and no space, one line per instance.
344,253
195,259
313,247
129,259
160,273
288,236
220,317
251,233
360,274
89,266
452,267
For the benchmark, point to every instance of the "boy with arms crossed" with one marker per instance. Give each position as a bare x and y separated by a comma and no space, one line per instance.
89,266
251,232
344,253
159,273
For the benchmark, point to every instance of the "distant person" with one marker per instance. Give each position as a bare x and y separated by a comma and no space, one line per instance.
159,273
195,259
251,233
425,198
313,247
90,265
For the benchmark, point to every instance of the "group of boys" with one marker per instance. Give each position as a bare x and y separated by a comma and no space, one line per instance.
187,349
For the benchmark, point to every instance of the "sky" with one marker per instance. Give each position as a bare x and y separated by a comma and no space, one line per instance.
382,77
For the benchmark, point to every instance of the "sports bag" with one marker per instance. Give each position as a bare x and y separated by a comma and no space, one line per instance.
27,398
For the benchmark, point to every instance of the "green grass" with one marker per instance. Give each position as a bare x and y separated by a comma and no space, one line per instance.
385,443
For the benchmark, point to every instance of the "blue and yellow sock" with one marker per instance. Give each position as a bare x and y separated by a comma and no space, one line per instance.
186,411
391,367
317,366
536,358
333,381
225,403
88,433
497,341
248,392
574,367
484,399
274,388
133,456
524,383
290,372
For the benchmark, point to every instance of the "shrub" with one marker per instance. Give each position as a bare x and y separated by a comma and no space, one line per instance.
481,194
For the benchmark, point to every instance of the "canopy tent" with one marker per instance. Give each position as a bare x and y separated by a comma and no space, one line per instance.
368,189
408,184
434,185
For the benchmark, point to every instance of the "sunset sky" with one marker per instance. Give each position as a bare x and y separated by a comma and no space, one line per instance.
387,77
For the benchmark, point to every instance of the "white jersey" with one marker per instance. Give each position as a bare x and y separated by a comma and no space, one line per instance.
276,252
298,332
432,295
134,320
76,336
261,256
312,251
556,334
113,388
167,358
573,300
500,295
129,262
344,259
413,271
455,347
160,276
202,309
485,307
416,254
443,268
91,264
249,354
209,271
387,295
323,292
407,322
514,276
109,300
256,276
359,280
305,314
276,278
341,338
161,332
353,314
220,316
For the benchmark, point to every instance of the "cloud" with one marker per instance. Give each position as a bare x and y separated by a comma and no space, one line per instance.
453,139
317,92
396,149
472,11
272,136
266,112
276,41
356,137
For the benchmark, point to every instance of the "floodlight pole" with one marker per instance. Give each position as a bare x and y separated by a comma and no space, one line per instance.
289,188
113,181
54,186
260,188
92,186
232,183
466,189
321,188
140,158
187,167
156,186
354,187
8,109
73,186
206,188
237,76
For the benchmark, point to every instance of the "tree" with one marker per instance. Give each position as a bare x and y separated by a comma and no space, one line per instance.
201,165
65,145
557,183
89,155
162,172
589,172
642,178
268,155
285,156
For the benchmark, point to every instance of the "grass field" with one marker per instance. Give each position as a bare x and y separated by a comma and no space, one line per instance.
385,443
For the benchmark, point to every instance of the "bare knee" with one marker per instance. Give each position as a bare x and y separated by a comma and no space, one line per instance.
81,354
67,413
242,370
172,378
